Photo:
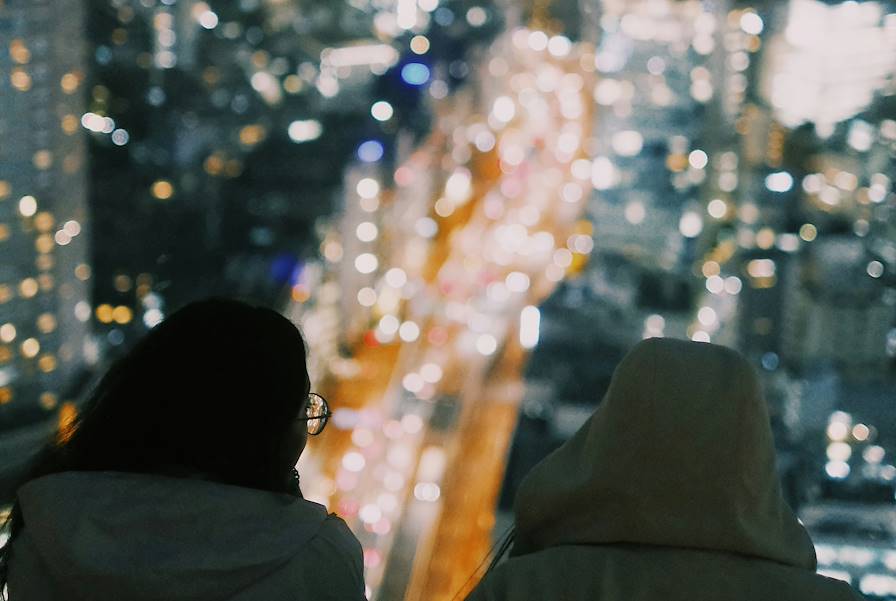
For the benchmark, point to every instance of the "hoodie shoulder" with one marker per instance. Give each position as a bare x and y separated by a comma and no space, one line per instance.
335,539
152,537
329,568
636,573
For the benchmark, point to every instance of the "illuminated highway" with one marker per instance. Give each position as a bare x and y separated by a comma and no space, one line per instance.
428,402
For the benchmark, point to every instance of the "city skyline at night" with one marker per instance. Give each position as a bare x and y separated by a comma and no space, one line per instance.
472,210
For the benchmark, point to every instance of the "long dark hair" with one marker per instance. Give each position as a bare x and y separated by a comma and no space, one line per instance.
213,389
502,546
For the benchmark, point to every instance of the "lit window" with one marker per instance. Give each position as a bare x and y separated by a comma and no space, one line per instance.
162,189
47,363
20,80
28,288
30,347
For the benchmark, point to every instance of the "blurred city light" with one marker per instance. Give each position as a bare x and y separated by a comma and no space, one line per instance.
472,212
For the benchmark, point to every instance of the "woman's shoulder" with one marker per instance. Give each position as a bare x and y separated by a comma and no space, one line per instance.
336,537
337,560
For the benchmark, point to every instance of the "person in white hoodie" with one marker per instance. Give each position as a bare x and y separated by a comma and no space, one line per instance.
667,493
177,481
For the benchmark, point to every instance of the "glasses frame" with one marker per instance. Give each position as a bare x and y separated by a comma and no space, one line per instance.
322,419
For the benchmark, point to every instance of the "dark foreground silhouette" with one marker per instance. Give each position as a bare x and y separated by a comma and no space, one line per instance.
177,481
667,493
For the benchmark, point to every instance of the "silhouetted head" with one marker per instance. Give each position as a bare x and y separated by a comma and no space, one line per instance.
214,389
212,392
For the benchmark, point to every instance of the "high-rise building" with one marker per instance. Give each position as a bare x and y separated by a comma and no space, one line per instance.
649,156
663,86
43,213
839,314
228,126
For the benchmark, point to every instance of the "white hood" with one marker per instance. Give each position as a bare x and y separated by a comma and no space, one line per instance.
114,536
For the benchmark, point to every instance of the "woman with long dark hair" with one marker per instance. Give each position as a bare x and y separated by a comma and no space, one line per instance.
178,480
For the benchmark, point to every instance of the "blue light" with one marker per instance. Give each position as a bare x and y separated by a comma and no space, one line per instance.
415,74
283,267
297,272
370,151
443,16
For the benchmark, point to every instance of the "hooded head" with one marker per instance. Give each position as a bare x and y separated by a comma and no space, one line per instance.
679,454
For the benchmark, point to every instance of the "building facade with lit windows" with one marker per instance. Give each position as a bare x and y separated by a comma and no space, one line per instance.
44,312
661,102
229,133
817,142
837,313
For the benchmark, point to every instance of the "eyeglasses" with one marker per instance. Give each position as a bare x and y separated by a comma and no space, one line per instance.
317,413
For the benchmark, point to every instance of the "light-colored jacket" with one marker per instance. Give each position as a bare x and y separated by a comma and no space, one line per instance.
667,493
107,536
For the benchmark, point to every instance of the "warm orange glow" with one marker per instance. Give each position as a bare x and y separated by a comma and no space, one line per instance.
122,314
20,80
46,323
123,283
69,83
44,243
104,313
48,401
252,134
47,363
19,52
42,159
162,189
68,413
28,288
30,348
214,164
44,221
